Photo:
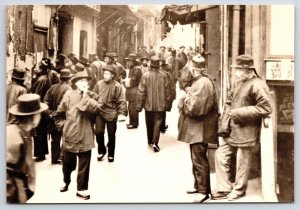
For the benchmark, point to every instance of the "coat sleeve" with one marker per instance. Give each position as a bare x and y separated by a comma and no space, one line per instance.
262,108
141,94
121,101
87,104
168,95
200,99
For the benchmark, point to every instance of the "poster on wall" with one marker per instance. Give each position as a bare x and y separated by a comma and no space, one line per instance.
281,69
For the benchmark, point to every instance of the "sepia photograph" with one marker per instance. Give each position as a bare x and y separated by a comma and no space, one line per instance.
150,103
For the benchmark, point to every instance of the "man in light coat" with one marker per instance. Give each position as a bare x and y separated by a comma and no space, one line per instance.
198,122
246,105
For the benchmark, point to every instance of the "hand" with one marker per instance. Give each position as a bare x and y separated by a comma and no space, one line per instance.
121,118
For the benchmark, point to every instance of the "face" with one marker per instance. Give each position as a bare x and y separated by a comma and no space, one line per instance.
108,76
145,62
107,60
82,84
241,75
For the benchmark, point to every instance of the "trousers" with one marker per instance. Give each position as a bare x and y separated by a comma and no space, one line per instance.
232,168
200,167
133,113
153,123
111,128
83,173
55,145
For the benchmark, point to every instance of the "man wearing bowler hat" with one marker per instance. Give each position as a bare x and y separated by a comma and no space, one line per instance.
247,103
15,89
111,97
131,84
53,98
154,96
76,111
20,168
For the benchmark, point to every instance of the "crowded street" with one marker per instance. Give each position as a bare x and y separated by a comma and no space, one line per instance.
149,104
138,175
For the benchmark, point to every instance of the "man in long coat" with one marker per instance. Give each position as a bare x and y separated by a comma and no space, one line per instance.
131,84
198,123
154,96
246,105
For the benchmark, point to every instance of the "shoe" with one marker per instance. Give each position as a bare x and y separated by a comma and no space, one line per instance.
219,195
100,157
64,188
83,195
202,198
39,159
193,191
155,148
110,159
131,126
56,162
233,196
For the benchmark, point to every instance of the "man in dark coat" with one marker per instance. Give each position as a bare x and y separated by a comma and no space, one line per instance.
120,73
111,96
15,89
53,98
154,96
198,124
131,84
247,103
20,168
172,86
40,87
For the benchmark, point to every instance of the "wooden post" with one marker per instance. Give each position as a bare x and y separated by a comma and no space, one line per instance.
268,143
235,34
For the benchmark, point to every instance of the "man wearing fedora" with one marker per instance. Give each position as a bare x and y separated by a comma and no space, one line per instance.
76,112
14,89
40,87
198,124
164,67
154,96
131,84
247,103
20,168
111,96
70,62
53,98
121,72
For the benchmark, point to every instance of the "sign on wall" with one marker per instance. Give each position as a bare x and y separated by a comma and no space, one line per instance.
281,69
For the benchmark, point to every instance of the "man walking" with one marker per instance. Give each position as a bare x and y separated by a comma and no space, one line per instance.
53,98
246,105
111,97
198,123
154,96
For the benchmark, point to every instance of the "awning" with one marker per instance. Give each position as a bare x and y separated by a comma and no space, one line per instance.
184,14
110,13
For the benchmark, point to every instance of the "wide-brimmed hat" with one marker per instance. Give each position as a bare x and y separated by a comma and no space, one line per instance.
110,68
28,104
198,61
18,73
182,46
65,74
244,62
132,57
154,62
73,58
61,57
84,61
163,61
80,75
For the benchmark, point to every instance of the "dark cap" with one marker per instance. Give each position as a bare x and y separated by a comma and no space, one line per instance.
80,75
244,61
154,62
110,68
28,104
131,56
73,58
65,74
84,61
18,73
79,67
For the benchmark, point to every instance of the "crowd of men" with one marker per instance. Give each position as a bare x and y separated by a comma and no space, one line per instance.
74,101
